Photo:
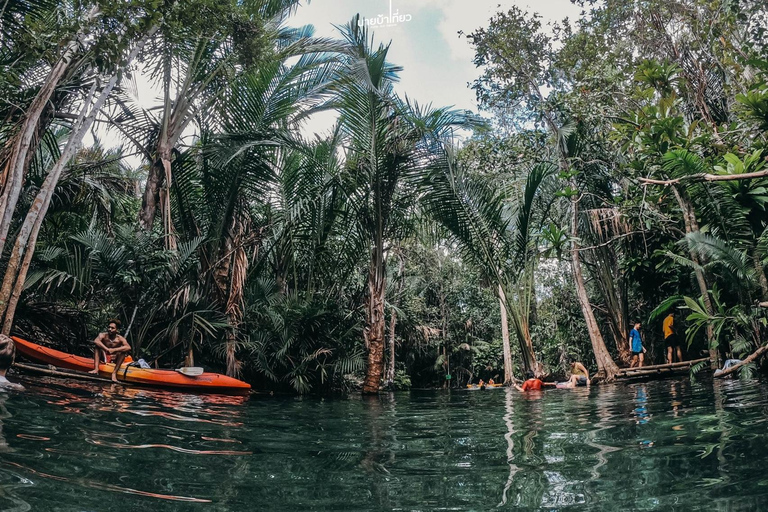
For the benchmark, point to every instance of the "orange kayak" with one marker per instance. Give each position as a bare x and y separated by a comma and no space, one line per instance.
206,382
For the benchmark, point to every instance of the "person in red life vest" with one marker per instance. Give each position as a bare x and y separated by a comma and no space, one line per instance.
531,383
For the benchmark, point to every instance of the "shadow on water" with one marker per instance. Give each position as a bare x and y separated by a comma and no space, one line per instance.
664,445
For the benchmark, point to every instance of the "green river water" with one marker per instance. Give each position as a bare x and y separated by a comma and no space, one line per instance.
664,445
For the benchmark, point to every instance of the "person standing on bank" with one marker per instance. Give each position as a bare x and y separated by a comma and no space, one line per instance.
671,341
110,345
636,346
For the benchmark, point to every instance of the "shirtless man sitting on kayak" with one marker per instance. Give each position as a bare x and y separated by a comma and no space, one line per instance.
110,344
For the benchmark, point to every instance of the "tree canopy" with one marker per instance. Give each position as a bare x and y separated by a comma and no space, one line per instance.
621,172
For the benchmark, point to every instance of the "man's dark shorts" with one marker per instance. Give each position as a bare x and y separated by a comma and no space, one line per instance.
582,381
671,341
636,353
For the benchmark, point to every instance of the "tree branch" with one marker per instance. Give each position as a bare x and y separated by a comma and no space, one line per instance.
705,177
752,357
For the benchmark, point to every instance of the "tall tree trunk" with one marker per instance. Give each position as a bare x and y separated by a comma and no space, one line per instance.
375,321
692,226
164,194
389,378
176,117
508,376
150,197
520,313
760,274
605,364
158,191
229,275
234,308
23,142
444,332
613,291
524,335
158,170
24,247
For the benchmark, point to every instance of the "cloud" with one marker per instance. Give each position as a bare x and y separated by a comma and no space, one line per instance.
437,62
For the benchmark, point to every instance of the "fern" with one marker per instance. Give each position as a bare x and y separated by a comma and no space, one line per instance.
696,368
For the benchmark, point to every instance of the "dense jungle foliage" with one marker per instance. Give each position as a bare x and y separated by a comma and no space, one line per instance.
620,172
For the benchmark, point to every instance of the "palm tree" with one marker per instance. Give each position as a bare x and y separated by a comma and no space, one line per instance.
193,64
391,144
24,245
492,227
21,140
245,168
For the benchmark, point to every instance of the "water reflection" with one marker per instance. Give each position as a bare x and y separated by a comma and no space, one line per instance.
93,484
641,404
378,455
433,450
602,425
508,411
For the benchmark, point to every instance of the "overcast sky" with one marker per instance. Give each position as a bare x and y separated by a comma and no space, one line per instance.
437,62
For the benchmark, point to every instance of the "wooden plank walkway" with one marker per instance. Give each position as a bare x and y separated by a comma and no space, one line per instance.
657,370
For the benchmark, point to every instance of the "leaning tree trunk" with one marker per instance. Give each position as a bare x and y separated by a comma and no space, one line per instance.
614,294
508,376
692,226
24,143
18,263
24,247
375,321
605,364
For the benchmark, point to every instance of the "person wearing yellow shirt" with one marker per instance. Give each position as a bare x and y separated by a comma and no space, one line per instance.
671,341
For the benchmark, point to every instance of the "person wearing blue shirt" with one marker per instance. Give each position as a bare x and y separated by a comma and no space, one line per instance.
636,346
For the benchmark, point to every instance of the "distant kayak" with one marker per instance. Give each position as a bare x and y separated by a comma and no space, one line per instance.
205,382
475,387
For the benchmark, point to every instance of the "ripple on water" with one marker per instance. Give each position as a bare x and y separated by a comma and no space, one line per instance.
665,445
